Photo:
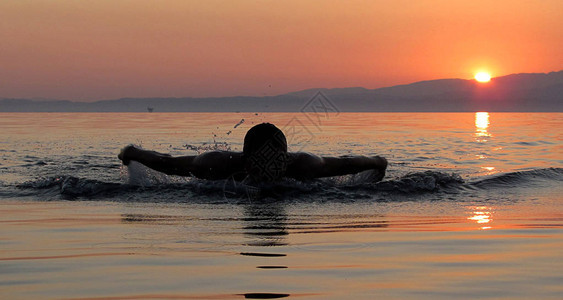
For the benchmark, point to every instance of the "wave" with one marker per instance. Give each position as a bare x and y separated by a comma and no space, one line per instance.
427,182
71,186
519,179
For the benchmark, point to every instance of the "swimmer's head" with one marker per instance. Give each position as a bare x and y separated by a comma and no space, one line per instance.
265,153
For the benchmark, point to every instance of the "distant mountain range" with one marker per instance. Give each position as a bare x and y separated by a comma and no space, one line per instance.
531,92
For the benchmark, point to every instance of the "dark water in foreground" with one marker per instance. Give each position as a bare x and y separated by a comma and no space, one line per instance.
471,208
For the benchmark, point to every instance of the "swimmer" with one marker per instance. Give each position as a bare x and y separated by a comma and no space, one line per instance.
264,159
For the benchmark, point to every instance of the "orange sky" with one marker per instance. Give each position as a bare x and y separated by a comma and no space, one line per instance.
106,49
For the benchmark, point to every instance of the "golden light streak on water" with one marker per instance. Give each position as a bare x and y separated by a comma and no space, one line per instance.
482,124
482,215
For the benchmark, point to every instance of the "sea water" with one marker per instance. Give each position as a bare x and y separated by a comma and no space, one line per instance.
471,207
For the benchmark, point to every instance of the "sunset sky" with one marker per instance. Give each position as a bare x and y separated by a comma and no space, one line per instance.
106,49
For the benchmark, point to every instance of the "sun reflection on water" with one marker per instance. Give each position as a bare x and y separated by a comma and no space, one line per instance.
481,215
490,170
482,124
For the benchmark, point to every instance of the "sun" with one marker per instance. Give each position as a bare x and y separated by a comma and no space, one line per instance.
483,77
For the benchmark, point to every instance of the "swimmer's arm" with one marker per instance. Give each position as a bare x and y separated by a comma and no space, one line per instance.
212,165
304,166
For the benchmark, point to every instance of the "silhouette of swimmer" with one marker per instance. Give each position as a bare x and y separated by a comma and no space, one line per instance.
264,159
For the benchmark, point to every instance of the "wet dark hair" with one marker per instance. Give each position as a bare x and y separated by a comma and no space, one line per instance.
265,152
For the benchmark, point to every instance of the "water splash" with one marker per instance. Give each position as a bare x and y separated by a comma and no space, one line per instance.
239,123
154,186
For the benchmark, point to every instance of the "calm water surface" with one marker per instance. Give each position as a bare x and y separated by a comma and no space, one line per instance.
486,222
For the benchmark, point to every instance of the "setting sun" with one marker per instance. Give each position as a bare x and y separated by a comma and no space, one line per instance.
483,77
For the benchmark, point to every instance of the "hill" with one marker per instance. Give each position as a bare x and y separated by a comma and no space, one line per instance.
529,92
